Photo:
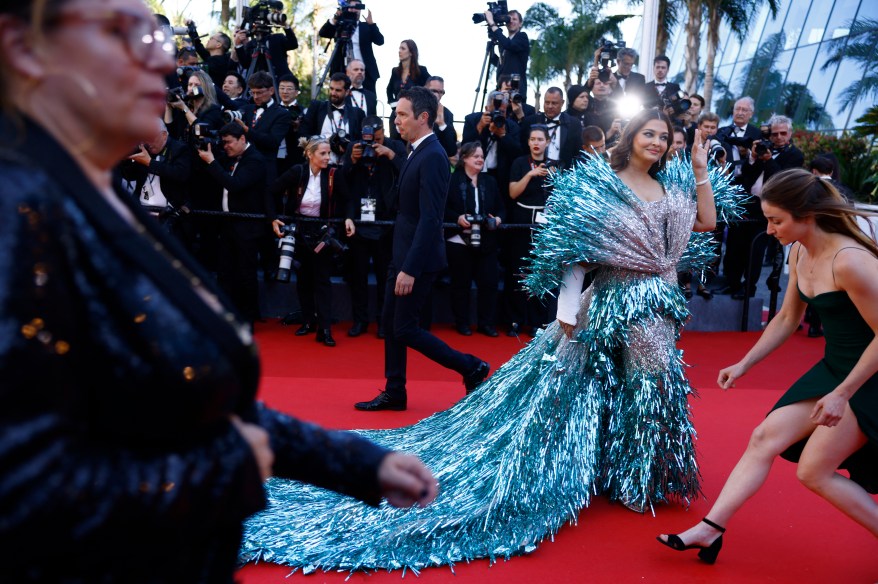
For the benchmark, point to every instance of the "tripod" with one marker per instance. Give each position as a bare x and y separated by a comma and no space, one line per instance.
261,50
343,44
485,72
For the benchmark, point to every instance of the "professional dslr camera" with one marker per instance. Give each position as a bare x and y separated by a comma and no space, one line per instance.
328,239
677,101
607,58
763,145
259,18
498,10
347,20
200,135
515,85
498,118
716,152
368,142
339,141
287,246
476,222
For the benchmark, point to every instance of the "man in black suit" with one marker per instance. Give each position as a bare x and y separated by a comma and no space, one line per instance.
518,108
565,131
327,118
500,142
215,55
362,35
514,49
743,130
278,45
264,121
359,96
444,125
232,95
158,174
628,83
652,93
418,255
289,152
243,178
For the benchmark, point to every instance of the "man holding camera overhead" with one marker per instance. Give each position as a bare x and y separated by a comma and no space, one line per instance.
653,91
345,24
515,48
257,24
336,119
498,136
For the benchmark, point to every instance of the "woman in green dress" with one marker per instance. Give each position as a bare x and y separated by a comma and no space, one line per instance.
828,419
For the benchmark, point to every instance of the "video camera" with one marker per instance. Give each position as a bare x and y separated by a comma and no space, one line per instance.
499,10
476,222
677,101
347,20
287,247
200,135
607,58
259,18
763,144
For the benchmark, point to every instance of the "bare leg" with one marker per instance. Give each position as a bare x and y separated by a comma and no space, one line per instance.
826,449
781,429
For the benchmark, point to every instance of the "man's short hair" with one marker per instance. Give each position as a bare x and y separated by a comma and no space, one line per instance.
289,77
699,98
225,41
557,90
434,78
520,17
662,58
779,119
679,130
822,164
626,52
504,78
373,121
591,134
422,100
186,52
336,77
260,80
238,77
232,129
748,100
708,117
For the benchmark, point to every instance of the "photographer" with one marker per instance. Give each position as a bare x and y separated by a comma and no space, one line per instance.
198,105
346,24
277,44
565,132
371,171
529,192
317,191
443,127
498,137
215,54
578,106
233,88
242,175
473,203
264,121
628,83
289,152
359,96
514,49
738,135
653,91
604,110
337,120
518,109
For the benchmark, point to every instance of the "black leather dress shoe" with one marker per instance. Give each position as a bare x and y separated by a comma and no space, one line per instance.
472,379
464,330
325,336
705,293
382,402
488,331
358,329
305,329
514,330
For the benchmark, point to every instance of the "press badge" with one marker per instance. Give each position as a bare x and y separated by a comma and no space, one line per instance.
367,209
540,217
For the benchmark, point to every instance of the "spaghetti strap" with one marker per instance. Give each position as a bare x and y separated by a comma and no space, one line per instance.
836,255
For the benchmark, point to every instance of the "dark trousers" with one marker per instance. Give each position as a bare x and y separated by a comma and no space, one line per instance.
465,265
361,251
520,308
741,239
313,285
402,330
237,263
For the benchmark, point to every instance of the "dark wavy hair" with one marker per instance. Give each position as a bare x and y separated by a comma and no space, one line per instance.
467,149
802,194
622,152
414,68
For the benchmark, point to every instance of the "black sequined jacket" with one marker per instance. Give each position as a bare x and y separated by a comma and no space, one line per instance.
118,462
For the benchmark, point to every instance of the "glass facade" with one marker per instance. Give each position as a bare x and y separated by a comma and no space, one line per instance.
782,63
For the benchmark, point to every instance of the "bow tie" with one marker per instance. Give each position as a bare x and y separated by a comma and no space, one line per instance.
660,84
338,109
555,122
620,76
357,89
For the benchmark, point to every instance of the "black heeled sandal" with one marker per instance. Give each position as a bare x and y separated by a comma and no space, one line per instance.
706,553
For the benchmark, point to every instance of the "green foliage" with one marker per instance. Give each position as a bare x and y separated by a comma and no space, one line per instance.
868,123
860,46
858,161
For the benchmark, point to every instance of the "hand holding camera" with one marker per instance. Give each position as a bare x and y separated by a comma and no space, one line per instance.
206,154
141,156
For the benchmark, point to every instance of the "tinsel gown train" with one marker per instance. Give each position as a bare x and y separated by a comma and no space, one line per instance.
563,420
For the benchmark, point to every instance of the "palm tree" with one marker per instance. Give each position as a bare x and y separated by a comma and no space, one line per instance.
861,46
693,43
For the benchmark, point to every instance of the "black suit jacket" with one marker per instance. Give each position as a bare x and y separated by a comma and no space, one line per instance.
173,170
267,133
369,35
462,200
751,132
789,157
448,136
651,96
570,138
278,45
247,187
312,123
514,54
634,86
508,148
418,245
369,97
290,188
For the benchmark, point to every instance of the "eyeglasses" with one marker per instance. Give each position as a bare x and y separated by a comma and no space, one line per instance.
783,133
438,91
142,39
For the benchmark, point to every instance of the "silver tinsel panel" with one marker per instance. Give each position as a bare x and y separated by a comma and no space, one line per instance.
560,422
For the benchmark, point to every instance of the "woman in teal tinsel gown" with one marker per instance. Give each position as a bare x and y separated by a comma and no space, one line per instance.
598,405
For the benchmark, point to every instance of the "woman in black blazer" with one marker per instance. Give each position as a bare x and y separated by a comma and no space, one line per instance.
473,203
409,73
314,190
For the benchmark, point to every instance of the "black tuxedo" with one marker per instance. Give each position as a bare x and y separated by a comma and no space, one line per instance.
173,169
365,98
652,95
218,66
448,136
267,132
570,139
278,45
751,132
294,154
508,148
419,251
635,85
514,54
238,253
312,123
369,35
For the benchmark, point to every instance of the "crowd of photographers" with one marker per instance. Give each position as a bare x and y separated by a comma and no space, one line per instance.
236,146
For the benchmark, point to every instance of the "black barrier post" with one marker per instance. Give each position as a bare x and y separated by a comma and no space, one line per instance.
772,281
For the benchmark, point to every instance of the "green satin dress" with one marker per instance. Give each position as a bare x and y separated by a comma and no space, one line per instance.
847,336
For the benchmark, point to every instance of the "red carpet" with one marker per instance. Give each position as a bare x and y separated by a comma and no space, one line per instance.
785,533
